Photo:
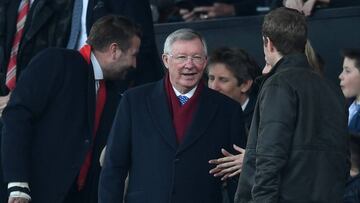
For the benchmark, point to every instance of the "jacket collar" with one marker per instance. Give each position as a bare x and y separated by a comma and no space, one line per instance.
296,60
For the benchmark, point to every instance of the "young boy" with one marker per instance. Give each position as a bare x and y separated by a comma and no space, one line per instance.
350,85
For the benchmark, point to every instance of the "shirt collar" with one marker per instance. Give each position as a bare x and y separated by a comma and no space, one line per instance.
245,104
98,73
188,95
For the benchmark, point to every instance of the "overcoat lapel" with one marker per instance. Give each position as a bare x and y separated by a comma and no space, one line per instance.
202,119
160,114
91,98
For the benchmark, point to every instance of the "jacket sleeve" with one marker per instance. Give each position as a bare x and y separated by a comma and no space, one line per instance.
35,88
117,157
278,110
238,137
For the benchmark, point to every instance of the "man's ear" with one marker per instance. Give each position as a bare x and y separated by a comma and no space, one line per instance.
270,45
114,50
246,85
165,59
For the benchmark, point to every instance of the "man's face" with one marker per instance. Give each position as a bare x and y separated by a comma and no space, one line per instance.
124,60
186,64
224,81
350,79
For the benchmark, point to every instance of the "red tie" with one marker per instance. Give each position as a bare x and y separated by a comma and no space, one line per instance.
20,22
100,103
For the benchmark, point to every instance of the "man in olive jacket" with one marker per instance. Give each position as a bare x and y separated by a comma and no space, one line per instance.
297,146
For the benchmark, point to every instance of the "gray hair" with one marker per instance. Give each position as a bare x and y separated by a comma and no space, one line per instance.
185,34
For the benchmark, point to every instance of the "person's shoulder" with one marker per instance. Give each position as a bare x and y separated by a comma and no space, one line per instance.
220,98
142,89
55,52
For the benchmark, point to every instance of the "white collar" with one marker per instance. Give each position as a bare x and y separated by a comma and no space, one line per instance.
188,95
98,73
243,106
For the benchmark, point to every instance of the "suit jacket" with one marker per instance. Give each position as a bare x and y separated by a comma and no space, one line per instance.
47,25
50,118
143,143
149,67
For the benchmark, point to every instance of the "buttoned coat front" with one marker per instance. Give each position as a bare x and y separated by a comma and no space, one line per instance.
143,143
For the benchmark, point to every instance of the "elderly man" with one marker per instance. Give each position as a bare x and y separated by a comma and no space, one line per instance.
165,132
297,147
60,113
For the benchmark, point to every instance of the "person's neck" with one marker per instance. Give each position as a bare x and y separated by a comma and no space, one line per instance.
183,90
277,57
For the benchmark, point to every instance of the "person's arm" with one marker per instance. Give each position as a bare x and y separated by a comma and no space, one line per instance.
214,11
117,159
25,107
278,114
294,4
309,5
19,192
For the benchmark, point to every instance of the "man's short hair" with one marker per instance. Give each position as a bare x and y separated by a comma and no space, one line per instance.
113,29
353,54
237,61
287,30
185,34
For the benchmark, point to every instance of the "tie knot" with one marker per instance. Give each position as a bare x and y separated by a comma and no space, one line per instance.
183,99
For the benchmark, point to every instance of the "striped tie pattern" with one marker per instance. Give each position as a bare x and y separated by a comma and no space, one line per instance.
183,99
20,22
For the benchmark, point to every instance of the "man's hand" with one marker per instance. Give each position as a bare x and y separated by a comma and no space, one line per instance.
294,4
217,10
206,12
228,166
308,7
187,15
3,102
18,200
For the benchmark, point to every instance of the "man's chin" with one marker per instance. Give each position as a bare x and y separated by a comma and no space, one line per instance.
118,76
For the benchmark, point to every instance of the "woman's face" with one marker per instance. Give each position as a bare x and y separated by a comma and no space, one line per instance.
224,81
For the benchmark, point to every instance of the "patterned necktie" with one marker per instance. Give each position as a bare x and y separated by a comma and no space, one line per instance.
183,99
20,22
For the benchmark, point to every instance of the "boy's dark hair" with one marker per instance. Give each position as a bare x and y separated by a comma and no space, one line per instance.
112,29
353,54
287,30
238,62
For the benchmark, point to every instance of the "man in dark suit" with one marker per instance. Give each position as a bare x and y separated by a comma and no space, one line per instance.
149,65
165,132
49,25
61,111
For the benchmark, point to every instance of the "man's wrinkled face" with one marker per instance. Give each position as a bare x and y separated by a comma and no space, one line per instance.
185,63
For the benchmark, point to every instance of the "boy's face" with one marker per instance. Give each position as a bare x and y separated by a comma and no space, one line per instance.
350,79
